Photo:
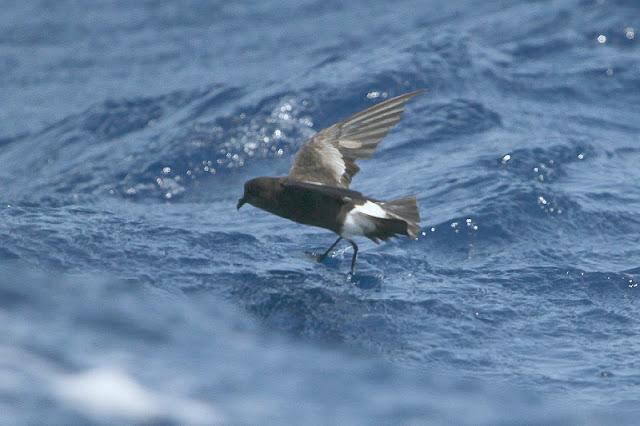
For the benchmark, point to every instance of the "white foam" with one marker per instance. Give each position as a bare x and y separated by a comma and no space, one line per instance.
110,393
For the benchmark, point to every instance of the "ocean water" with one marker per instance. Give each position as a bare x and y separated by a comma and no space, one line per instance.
132,291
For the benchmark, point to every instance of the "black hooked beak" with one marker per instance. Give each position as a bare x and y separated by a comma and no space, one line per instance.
241,202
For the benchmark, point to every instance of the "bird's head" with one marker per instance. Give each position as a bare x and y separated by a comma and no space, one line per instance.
260,192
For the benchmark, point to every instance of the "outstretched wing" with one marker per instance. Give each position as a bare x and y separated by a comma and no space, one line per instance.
329,157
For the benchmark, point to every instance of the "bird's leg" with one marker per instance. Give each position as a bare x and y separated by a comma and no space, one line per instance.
326,253
355,255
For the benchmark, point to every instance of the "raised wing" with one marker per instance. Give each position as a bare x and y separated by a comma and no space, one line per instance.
329,157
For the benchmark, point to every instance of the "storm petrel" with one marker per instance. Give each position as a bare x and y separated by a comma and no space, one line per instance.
316,191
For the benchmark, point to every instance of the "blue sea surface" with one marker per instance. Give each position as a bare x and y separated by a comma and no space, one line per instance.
133,292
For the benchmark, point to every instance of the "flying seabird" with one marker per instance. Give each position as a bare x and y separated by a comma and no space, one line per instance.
316,191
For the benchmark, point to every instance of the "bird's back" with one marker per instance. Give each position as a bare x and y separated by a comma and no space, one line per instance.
315,205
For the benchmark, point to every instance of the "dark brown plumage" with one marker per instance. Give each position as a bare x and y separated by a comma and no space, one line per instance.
316,190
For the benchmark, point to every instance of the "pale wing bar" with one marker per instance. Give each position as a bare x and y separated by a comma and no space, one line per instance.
329,156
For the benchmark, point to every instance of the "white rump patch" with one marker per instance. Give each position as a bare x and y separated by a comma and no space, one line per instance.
358,221
372,209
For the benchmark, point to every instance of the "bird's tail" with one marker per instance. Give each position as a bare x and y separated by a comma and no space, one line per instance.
405,209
